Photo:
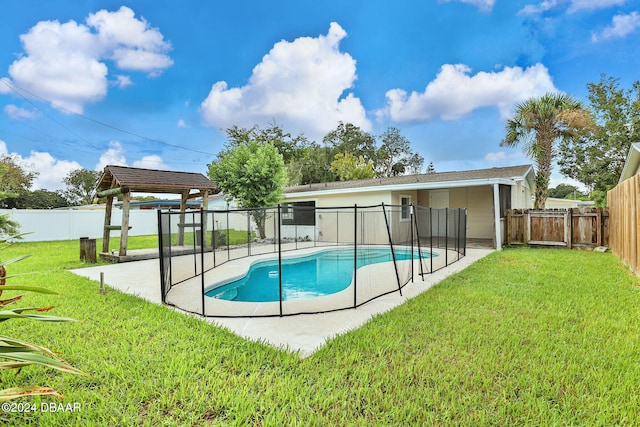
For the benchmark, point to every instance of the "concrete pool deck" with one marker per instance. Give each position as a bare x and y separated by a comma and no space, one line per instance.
303,333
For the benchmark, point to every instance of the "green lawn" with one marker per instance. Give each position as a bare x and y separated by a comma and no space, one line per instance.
522,337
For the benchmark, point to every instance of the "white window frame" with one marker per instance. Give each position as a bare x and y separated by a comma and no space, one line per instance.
408,208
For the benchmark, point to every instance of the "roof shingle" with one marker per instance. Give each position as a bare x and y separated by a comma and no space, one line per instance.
153,181
504,172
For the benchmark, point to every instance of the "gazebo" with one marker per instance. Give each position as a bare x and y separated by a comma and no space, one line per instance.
124,180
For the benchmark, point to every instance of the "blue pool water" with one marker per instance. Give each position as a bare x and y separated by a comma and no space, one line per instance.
314,275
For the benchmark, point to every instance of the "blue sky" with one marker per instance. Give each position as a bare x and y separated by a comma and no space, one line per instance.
154,83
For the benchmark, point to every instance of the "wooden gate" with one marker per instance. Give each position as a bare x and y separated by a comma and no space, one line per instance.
579,227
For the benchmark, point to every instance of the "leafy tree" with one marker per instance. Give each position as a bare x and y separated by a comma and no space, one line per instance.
349,167
538,124
566,191
81,184
597,160
253,174
349,138
41,199
431,168
290,147
312,164
394,157
14,181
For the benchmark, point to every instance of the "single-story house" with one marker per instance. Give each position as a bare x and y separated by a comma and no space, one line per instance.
486,193
555,203
632,164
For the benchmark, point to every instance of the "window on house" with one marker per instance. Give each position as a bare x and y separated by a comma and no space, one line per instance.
405,213
299,213
505,199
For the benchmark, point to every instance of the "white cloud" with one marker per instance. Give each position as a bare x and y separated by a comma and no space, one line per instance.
151,162
500,156
130,42
455,93
121,81
64,63
577,5
484,5
182,124
538,8
113,156
621,26
17,113
50,171
300,84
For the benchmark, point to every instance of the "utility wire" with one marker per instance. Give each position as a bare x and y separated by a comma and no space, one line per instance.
15,89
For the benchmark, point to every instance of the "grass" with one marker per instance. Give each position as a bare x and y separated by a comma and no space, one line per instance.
522,337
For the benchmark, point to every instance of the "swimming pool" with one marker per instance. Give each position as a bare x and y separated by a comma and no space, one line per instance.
314,275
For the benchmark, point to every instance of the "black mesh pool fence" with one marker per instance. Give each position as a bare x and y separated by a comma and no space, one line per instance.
287,260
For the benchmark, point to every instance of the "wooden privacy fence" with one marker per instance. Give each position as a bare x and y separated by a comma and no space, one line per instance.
624,205
575,227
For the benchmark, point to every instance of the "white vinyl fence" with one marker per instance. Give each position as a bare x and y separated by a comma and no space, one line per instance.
71,224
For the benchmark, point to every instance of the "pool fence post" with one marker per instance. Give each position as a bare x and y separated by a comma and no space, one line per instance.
228,237
446,236
248,234
355,254
213,236
393,255
161,253
431,238
279,262
415,219
203,239
411,238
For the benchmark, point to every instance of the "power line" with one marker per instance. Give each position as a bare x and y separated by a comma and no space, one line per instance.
15,89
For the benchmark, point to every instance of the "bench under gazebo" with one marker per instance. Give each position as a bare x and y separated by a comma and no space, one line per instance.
123,180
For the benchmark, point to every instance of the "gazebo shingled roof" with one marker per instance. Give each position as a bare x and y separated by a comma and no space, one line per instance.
153,181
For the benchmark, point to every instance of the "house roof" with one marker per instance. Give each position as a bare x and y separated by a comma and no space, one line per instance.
632,163
443,179
153,181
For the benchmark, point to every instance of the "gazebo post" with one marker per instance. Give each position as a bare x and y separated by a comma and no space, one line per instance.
181,224
107,223
205,208
124,230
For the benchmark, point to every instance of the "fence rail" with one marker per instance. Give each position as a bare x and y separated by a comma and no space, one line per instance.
624,207
576,227
297,255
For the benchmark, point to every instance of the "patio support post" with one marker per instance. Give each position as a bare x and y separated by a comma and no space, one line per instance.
496,219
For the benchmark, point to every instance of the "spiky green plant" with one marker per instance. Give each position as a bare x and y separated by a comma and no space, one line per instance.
17,354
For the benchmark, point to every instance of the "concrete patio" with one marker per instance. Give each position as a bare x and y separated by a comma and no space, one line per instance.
304,333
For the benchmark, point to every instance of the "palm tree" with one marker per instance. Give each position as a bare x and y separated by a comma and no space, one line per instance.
537,124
